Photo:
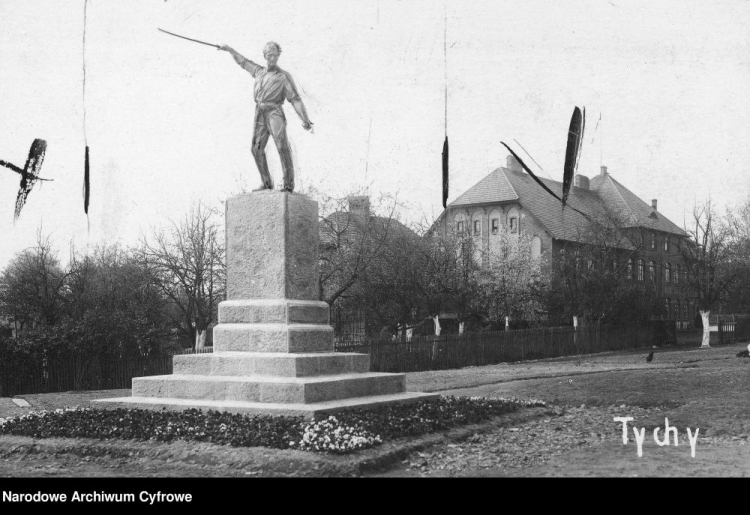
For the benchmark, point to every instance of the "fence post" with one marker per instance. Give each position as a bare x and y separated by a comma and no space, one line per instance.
507,324
575,334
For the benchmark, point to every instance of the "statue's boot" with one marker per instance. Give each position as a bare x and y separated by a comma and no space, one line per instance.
286,165
265,176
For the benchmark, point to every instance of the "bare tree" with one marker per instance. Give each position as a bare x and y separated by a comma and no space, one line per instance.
352,235
738,219
416,279
187,263
377,272
713,260
593,275
448,278
510,285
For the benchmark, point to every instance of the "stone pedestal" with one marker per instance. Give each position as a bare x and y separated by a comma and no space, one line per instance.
273,346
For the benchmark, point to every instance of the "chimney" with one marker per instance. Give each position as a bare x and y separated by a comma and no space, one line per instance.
581,181
603,171
653,204
360,206
513,164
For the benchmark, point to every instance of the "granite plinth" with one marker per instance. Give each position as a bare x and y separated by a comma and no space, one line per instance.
272,246
273,345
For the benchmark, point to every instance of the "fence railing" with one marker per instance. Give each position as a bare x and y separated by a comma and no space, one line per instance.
734,331
457,351
39,373
45,374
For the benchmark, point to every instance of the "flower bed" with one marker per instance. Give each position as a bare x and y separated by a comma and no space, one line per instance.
344,433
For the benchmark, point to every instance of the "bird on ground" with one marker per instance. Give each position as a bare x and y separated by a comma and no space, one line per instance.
649,357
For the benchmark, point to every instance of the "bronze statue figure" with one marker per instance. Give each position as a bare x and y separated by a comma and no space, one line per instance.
272,86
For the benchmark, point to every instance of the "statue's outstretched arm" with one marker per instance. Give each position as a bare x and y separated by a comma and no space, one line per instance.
241,60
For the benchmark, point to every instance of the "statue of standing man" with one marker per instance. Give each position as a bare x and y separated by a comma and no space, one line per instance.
272,86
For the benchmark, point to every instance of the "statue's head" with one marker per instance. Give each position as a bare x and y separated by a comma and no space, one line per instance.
271,52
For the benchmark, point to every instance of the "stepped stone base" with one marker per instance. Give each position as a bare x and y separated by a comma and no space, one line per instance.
273,338
271,364
273,346
269,388
309,411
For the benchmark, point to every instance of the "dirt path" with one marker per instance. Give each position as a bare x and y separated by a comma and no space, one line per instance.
692,388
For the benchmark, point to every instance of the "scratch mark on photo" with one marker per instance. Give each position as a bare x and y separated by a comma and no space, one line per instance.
86,183
29,173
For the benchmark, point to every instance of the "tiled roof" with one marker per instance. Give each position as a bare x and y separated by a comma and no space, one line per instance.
641,211
605,194
493,188
562,224
345,221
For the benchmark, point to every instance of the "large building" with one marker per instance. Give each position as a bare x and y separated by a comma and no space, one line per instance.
511,198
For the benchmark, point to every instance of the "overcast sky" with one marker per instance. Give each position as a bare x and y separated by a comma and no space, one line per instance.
169,122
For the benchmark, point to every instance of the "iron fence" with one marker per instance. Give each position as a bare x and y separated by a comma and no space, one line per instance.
41,373
477,349
732,331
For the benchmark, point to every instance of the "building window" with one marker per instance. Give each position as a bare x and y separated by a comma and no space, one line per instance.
630,269
667,273
514,221
676,309
614,265
666,243
668,307
460,227
685,310
653,241
640,269
676,274
495,225
536,247
651,272
477,226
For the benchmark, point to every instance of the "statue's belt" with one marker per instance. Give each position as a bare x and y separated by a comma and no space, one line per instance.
267,106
